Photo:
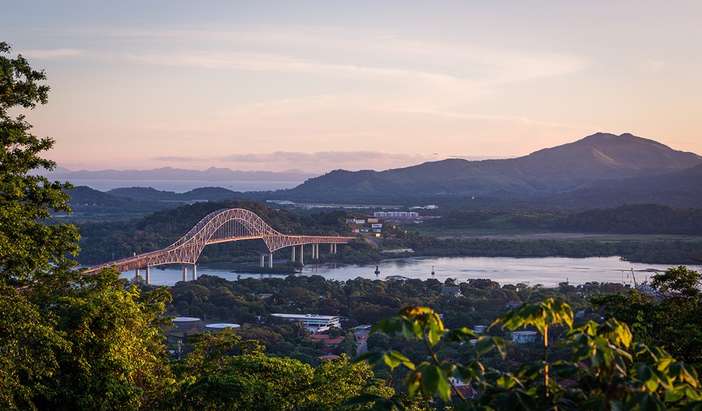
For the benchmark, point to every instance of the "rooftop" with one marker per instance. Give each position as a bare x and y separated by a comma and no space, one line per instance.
219,326
185,319
305,316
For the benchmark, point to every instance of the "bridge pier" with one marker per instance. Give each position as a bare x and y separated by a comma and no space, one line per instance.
136,275
292,254
270,260
221,226
148,275
194,272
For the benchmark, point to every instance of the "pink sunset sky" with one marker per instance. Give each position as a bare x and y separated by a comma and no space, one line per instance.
318,85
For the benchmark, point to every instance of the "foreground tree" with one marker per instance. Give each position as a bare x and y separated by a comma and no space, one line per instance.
225,372
668,315
66,341
29,247
604,370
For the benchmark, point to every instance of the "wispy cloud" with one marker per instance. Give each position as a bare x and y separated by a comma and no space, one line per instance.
51,54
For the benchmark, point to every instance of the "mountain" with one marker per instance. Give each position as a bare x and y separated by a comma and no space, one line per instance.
85,200
198,194
677,189
569,167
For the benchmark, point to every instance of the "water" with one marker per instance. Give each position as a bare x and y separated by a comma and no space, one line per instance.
505,270
180,186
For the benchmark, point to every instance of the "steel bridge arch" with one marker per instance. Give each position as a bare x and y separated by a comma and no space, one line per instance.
221,226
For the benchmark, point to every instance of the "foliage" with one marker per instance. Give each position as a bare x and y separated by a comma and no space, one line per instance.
669,314
29,248
29,347
604,368
117,351
626,219
226,372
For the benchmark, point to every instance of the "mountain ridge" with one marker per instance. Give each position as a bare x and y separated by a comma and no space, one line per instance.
564,168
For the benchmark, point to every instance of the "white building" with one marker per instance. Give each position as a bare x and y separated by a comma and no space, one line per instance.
400,215
312,322
524,337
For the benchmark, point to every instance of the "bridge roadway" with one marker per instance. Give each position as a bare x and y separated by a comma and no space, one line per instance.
222,226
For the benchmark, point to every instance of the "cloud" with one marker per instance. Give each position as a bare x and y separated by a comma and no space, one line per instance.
348,53
51,54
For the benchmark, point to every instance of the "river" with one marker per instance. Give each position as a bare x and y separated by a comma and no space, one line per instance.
505,270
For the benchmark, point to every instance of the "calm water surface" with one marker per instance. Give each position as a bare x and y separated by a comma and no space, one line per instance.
505,270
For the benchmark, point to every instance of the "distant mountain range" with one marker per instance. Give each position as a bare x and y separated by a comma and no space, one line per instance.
87,201
601,170
601,167
178,179
170,173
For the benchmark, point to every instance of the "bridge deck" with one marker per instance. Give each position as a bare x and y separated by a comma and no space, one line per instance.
219,227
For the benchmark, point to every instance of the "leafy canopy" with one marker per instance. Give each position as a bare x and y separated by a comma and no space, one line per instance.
29,247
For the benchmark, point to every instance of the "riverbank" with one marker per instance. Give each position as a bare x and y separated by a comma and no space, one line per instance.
548,271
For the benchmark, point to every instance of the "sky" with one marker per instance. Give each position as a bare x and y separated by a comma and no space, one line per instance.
321,85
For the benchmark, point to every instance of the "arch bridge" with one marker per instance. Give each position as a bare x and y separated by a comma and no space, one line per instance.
222,226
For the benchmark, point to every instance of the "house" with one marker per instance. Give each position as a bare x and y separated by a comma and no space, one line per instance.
466,390
524,337
312,322
451,291
327,340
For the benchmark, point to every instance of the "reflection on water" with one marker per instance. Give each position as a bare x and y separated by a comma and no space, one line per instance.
505,270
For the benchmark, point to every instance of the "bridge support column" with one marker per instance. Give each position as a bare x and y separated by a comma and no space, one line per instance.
185,273
263,261
292,254
137,274
334,248
194,272
302,254
270,260
148,275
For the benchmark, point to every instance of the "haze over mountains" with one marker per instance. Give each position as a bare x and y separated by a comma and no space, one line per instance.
178,179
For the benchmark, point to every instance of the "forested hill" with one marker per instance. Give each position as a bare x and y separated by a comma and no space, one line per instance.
637,219
681,189
629,219
198,194
569,167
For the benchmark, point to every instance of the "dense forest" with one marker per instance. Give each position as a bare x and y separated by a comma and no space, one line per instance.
629,219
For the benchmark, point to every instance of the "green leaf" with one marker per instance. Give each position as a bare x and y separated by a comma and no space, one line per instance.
394,359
